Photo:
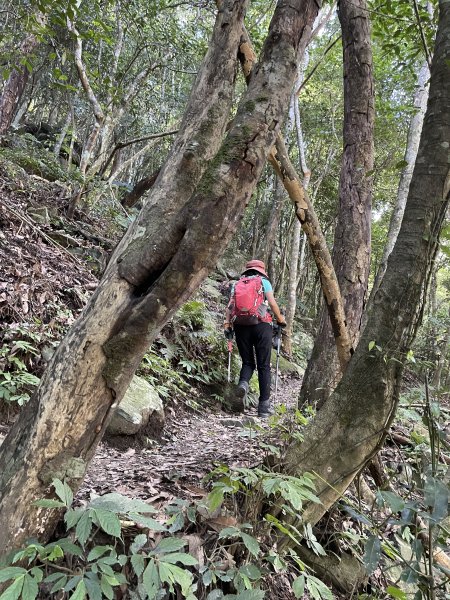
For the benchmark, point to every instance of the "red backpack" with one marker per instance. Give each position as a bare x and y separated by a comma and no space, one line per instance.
247,302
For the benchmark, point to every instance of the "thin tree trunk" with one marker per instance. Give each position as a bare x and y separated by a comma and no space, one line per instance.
145,281
352,425
15,85
412,144
351,251
296,235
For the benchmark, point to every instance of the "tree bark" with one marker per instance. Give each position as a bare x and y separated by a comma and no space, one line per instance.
351,251
157,266
353,422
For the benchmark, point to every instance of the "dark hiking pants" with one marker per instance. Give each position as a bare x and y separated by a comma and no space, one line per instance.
255,341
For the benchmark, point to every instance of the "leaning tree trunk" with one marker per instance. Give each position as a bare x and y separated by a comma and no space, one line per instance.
351,251
162,259
305,213
351,426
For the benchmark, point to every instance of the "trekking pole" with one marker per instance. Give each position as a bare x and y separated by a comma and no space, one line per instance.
279,331
278,338
230,350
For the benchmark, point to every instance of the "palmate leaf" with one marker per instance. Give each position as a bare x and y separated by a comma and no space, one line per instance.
80,591
138,564
152,524
30,588
251,544
11,573
317,589
436,497
14,591
176,575
181,557
108,521
150,580
63,491
298,586
84,527
171,544
372,553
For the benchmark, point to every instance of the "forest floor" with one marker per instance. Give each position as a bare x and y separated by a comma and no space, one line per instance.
192,445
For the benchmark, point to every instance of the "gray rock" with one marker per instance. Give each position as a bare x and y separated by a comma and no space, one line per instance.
39,215
140,405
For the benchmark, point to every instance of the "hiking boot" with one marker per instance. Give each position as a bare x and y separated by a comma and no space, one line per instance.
242,390
265,410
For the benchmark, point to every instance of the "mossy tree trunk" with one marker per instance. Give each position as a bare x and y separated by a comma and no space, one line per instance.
195,207
351,251
351,426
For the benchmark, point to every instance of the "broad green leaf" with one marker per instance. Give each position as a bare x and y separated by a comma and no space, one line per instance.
11,573
171,544
106,587
30,588
215,498
69,547
251,595
59,584
175,574
138,542
317,589
93,588
395,503
251,571
410,573
229,532
152,524
49,503
80,591
396,592
251,544
298,586
63,491
436,497
181,557
150,580
108,521
215,595
73,516
83,528
14,590
98,551
138,564
372,553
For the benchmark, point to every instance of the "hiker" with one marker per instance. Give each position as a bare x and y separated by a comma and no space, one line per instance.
247,315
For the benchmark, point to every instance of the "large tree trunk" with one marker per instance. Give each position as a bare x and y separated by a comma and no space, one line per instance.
162,259
15,85
351,251
351,426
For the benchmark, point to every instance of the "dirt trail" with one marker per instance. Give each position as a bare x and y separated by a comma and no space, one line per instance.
193,443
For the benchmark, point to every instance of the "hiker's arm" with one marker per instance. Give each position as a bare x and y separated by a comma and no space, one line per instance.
227,318
275,308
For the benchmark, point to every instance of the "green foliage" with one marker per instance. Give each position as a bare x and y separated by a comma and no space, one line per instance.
422,507
16,382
